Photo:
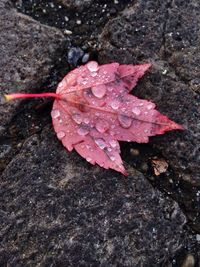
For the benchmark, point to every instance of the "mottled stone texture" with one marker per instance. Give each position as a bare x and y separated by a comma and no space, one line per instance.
28,51
56,208
165,33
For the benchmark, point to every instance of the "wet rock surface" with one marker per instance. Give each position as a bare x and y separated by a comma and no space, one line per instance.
168,46
67,212
28,52
164,87
56,209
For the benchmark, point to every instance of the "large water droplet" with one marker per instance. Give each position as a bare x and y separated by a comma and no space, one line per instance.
55,113
136,111
83,130
100,142
61,135
125,121
99,91
115,104
102,126
77,118
92,66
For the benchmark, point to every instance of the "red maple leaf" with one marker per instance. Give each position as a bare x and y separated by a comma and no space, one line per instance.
93,110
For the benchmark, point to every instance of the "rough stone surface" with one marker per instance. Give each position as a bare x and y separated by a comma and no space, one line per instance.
57,209
164,33
182,39
28,51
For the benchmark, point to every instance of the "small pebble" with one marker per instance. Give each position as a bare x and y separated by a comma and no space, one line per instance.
66,18
85,58
68,32
74,54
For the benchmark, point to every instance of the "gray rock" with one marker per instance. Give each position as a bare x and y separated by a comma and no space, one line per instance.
144,33
28,52
58,210
136,34
55,208
182,38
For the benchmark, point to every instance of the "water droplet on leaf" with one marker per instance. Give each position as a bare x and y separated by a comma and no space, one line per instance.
115,104
61,135
71,79
150,106
92,66
100,142
112,158
136,111
77,118
86,120
99,91
113,143
88,159
55,113
125,121
102,126
83,130
60,84
93,74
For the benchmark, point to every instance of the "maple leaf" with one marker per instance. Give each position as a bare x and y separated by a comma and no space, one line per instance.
93,110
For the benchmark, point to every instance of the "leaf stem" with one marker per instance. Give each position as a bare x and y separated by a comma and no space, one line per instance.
10,97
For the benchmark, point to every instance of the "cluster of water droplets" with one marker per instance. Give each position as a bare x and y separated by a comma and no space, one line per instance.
109,147
125,113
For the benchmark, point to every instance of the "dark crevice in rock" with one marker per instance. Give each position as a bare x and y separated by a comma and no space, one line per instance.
141,156
80,24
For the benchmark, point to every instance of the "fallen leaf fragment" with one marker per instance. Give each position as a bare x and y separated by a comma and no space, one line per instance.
159,166
93,110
